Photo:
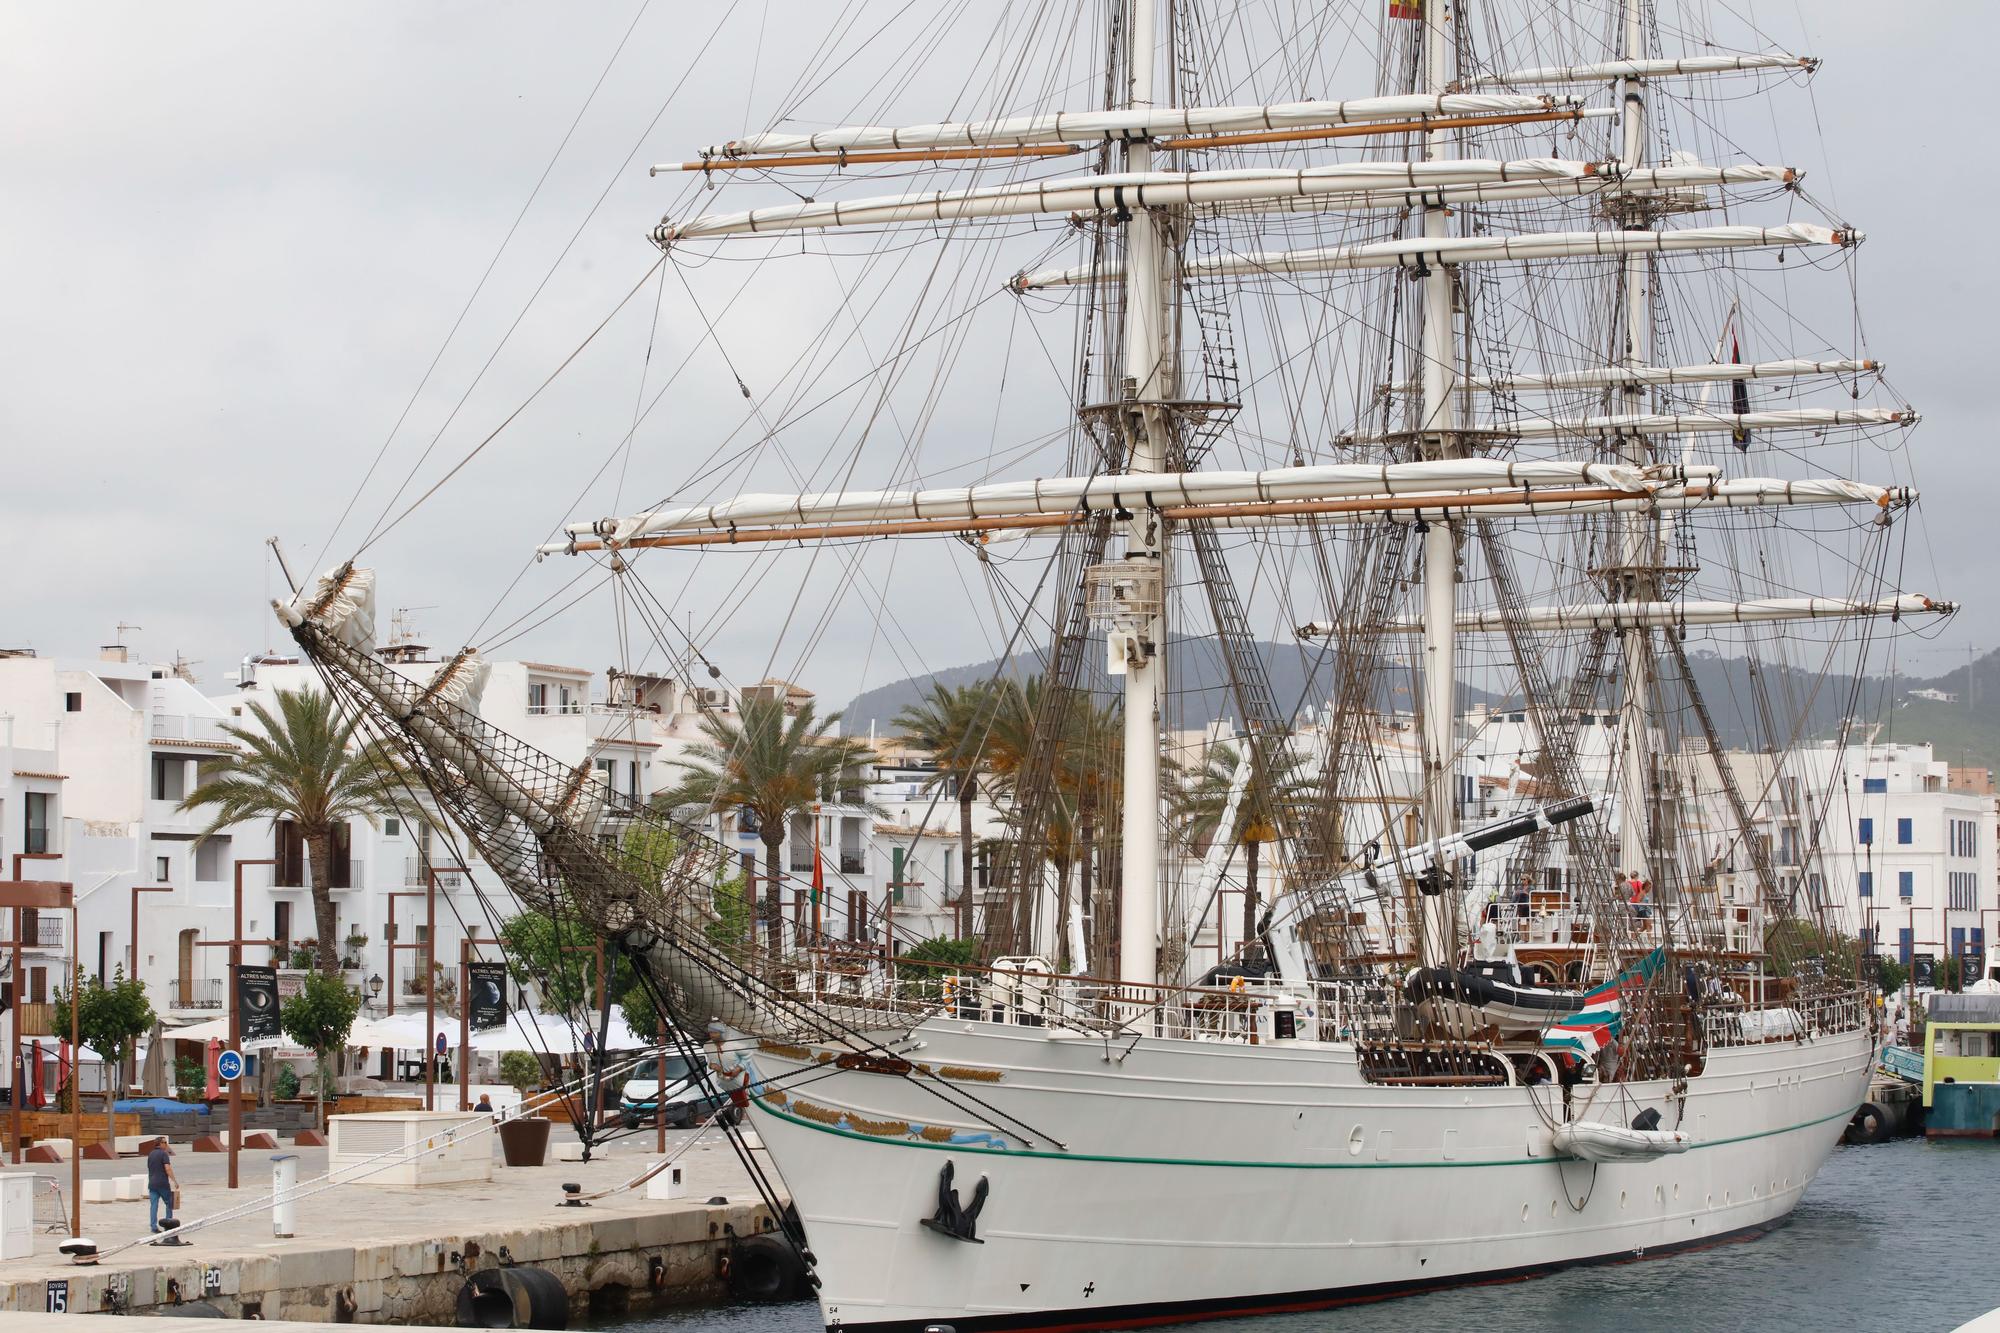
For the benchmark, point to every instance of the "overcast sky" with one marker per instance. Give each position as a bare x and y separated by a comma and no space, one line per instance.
232,238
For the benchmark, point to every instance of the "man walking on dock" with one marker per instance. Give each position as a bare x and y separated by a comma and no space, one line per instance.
163,1187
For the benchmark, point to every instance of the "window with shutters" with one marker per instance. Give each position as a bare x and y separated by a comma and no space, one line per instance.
289,851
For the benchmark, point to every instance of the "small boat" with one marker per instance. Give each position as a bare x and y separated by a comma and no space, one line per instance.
1597,1142
1487,995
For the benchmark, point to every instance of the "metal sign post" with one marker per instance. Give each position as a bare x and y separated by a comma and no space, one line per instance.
21,895
235,945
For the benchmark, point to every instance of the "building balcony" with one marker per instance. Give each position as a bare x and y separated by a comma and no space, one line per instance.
46,931
416,874
189,727
38,1018
195,993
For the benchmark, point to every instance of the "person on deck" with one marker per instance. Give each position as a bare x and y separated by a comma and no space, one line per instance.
163,1187
1641,888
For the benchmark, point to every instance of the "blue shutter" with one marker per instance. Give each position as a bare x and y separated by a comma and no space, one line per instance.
1906,883
1903,831
1867,888
1874,786
1866,835
1905,948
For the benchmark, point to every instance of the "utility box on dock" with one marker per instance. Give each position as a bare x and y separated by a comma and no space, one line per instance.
17,1215
405,1148
668,1184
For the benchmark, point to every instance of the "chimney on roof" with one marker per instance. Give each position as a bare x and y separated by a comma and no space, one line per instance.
114,652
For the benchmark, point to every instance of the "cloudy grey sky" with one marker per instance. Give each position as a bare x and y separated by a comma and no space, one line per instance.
233,236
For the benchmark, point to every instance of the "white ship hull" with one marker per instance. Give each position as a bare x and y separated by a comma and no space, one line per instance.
1197,1179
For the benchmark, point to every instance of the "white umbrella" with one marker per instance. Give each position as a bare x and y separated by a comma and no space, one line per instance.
399,1032
217,1029
525,1030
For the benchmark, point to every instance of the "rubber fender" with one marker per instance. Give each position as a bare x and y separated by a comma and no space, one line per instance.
485,1302
193,1310
765,1268
1871,1124
517,1297
548,1301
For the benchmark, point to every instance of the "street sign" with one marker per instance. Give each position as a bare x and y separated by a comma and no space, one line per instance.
229,1066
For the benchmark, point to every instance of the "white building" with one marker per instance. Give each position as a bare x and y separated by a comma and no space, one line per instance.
1912,860
95,757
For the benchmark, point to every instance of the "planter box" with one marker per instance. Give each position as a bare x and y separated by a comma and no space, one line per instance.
525,1141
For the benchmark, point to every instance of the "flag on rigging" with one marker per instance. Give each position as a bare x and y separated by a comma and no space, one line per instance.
1739,395
1406,9
819,866
1602,1015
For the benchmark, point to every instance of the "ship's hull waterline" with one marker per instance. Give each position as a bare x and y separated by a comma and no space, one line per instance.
1166,1180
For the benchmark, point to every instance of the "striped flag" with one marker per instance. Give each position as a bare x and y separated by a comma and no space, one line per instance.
1406,9
1597,1023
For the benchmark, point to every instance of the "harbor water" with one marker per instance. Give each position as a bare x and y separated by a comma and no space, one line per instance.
1901,1237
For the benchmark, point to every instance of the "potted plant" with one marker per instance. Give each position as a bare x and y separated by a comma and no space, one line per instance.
354,944
304,952
189,1083
524,1139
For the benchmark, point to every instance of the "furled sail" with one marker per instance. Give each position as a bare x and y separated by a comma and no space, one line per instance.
1121,491
1606,71
1129,123
1420,252
1123,190
1670,615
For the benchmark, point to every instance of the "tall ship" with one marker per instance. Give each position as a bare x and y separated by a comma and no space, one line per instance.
1468,343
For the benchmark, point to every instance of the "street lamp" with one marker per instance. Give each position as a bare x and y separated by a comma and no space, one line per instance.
375,988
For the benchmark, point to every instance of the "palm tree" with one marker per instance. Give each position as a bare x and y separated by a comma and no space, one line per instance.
957,727
303,765
1278,783
1088,771
773,764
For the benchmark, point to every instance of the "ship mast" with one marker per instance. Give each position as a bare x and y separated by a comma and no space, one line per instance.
1148,367
1437,354
1634,578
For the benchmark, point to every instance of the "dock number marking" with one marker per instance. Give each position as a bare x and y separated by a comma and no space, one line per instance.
211,1280
58,1296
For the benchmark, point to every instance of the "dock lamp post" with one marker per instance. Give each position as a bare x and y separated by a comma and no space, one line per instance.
133,970
15,1077
465,948
235,944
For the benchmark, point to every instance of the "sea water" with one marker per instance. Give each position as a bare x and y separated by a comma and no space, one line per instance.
1902,1236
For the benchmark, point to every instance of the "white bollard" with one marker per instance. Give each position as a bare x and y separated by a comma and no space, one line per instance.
284,1209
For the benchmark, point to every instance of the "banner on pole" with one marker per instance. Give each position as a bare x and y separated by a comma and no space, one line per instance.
486,995
257,1002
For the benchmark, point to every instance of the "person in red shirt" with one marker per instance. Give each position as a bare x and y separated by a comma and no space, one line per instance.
1640,889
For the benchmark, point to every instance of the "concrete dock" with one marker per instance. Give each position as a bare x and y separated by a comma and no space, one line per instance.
375,1254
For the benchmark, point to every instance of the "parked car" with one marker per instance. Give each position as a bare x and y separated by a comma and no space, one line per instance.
690,1095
